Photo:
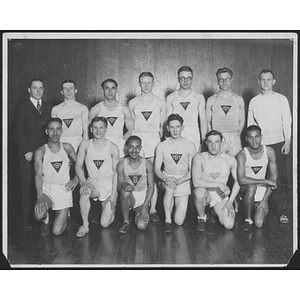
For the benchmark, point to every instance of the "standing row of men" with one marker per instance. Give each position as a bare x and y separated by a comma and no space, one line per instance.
145,118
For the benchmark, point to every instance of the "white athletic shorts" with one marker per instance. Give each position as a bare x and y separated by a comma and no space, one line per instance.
215,198
231,143
139,197
60,197
103,187
183,189
260,192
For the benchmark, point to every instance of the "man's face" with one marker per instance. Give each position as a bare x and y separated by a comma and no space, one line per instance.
98,129
253,139
175,129
266,81
213,143
110,90
69,90
134,148
146,84
54,131
224,81
36,90
185,79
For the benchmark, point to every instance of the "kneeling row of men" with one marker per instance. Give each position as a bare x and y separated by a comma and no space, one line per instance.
176,164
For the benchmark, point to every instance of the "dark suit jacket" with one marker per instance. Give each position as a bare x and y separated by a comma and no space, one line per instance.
30,131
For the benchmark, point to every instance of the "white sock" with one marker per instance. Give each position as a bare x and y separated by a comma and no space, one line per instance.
203,218
249,221
46,221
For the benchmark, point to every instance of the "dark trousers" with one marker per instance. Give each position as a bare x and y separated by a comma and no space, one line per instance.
281,191
28,193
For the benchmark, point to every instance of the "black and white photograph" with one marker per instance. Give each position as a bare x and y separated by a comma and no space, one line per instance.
149,149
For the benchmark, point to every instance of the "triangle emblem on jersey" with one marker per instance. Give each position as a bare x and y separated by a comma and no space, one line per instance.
56,165
146,114
112,120
214,175
176,157
135,178
185,104
256,169
226,108
98,163
68,122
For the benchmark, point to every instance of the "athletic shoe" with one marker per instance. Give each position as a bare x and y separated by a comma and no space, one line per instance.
44,228
283,219
247,226
201,226
212,218
168,227
154,217
82,231
124,228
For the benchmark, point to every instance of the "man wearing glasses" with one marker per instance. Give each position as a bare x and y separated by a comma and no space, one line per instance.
189,104
225,112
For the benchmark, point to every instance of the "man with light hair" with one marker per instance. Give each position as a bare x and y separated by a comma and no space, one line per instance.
271,112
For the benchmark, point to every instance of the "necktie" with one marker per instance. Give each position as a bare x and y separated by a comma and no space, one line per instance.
39,107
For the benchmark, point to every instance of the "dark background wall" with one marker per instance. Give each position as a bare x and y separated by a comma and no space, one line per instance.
90,61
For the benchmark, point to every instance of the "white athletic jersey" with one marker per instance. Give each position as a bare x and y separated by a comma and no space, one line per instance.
176,158
225,114
56,168
99,163
147,116
256,168
215,170
115,120
187,108
136,177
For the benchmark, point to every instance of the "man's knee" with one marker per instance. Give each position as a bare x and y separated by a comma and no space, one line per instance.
106,221
125,196
259,223
40,215
199,195
179,219
141,225
228,223
251,190
58,230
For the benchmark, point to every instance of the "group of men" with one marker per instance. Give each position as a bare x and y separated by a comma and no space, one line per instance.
132,163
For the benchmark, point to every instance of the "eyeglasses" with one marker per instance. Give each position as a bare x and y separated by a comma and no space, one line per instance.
185,78
228,79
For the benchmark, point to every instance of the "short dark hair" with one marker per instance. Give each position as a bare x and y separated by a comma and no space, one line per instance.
175,117
265,71
214,132
252,128
184,69
98,119
109,80
133,138
146,74
67,81
224,70
34,79
50,120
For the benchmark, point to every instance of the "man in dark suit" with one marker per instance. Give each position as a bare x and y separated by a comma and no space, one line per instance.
30,135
